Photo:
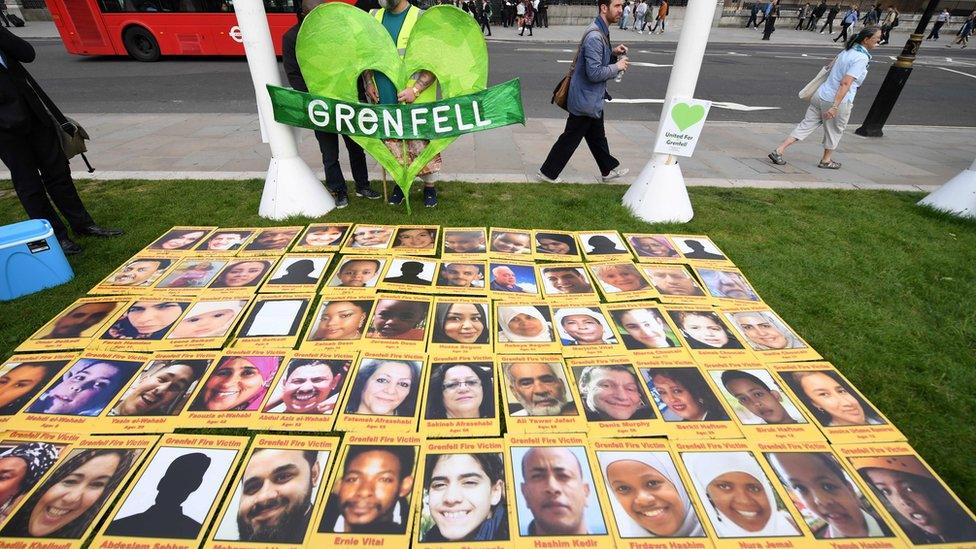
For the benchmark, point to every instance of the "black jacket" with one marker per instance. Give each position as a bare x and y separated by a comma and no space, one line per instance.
17,99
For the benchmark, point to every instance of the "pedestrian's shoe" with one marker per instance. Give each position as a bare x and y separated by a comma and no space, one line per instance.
776,158
68,246
821,32
397,197
545,178
640,32
95,230
430,197
341,198
615,173
366,192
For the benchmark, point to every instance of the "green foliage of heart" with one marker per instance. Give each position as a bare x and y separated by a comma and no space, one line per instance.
686,116
337,42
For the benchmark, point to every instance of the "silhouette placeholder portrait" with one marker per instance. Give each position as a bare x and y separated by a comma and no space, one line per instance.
299,272
165,519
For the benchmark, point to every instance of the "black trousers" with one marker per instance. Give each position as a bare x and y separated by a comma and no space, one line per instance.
752,20
329,146
843,32
935,30
39,169
485,24
577,129
829,24
3,17
543,18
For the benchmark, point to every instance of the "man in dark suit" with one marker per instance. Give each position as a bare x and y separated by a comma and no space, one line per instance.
31,150
328,142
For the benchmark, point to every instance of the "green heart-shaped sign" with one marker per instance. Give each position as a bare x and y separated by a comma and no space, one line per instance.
686,116
337,42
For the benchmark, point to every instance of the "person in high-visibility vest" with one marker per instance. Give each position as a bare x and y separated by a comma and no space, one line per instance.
398,17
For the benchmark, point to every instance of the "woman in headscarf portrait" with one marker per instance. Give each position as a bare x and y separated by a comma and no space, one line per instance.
146,320
237,383
647,496
764,331
523,324
583,326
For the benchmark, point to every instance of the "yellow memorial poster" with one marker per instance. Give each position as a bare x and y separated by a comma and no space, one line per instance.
415,240
654,248
646,332
512,281
674,283
338,324
271,241
322,237
603,245
464,243
384,393
76,325
510,244
566,283
613,396
233,390
178,241
399,323
460,398
297,274
136,276
273,321
584,330
706,335
555,246
686,402
769,337
307,393
727,285
462,328
621,281
225,241
538,397
24,376
461,277
369,239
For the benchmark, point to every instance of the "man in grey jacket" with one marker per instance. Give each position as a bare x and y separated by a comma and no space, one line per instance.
587,90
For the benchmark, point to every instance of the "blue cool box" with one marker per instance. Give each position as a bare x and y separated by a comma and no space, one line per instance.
30,259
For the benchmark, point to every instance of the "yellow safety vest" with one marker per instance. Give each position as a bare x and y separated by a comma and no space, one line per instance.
413,13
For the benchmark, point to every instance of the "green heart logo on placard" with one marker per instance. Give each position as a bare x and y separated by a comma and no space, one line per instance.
686,116
337,42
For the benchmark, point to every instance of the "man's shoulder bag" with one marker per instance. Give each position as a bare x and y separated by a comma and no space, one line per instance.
70,132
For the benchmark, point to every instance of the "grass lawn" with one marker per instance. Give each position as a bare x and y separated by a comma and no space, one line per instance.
879,287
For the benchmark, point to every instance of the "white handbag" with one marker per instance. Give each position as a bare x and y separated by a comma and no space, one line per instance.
813,85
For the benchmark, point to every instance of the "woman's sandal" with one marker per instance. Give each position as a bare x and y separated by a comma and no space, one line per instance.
776,158
830,165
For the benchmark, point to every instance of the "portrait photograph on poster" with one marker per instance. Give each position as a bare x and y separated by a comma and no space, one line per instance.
610,390
273,321
651,247
22,377
135,275
142,325
25,458
415,240
208,319
720,477
84,389
297,273
602,245
242,275
309,385
510,281
384,394
175,494
190,275
371,492
461,277
460,399
566,282
706,335
164,385
621,281
464,242
237,382
400,323
322,237
464,495
675,284
275,492
538,397
356,273
727,285
770,338
509,243
369,239
225,241
555,246
916,499
76,325
409,275
698,247
681,394
272,239
585,331
338,323
461,326
572,508
52,512
180,239
755,397
524,328
648,497
832,503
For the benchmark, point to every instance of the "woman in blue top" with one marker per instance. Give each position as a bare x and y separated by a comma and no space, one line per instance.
831,104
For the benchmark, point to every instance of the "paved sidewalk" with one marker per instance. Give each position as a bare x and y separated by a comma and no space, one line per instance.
731,154
784,35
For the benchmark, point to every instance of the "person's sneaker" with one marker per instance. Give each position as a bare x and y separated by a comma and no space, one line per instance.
367,192
545,178
397,197
341,199
430,197
615,173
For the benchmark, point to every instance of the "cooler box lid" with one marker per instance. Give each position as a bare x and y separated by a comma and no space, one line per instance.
23,232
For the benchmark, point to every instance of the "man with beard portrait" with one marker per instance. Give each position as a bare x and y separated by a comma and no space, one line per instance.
276,495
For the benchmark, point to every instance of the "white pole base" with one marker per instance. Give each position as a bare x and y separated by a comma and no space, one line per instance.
957,196
292,188
659,195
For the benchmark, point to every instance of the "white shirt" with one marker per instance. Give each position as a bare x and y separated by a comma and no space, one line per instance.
520,9
848,63
943,17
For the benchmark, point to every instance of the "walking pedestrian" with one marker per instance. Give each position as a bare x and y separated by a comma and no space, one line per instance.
940,21
831,104
662,15
486,13
849,19
399,18
965,31
648,17
888,22
529,19
770,25
31,149
3,13
764,12
542,18
508,13
626,17
639,15
831,15
816,15
871,17
596,65
753,15
335,180
520,16
801,16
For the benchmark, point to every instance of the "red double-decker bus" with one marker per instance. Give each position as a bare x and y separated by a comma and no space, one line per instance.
149,29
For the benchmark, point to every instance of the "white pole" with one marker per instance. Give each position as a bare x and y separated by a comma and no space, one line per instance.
659,193
291,187
957,196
